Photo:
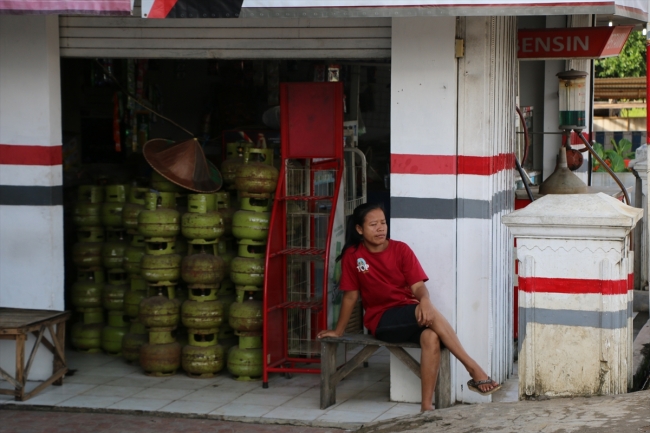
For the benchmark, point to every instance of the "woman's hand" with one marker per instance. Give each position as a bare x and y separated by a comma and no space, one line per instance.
328,333
425,313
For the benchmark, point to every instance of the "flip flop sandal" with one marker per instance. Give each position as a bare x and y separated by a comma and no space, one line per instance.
474,386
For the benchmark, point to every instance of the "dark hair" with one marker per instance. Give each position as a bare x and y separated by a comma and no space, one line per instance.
352,237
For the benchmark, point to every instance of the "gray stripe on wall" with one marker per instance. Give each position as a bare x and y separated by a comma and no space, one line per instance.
591,319
446,209
423,208
12,195
630,309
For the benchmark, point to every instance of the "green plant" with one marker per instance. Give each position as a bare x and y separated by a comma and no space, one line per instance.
630,63
615,158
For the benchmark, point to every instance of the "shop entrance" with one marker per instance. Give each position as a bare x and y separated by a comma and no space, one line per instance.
112,107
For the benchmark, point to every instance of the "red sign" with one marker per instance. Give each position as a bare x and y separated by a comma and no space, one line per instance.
572,43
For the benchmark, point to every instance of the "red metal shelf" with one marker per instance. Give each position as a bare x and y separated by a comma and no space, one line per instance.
303,305
305,198
298,252
296,272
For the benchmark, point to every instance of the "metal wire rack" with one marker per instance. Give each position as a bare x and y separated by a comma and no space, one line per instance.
307,234
356,179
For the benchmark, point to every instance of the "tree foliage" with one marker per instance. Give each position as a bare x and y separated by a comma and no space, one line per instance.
630,63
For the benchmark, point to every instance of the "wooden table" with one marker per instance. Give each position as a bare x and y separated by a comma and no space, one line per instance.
16,324
331,375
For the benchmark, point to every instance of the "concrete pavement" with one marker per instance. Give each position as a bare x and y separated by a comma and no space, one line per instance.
626,413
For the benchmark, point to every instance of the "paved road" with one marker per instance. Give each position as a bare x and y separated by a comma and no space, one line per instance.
30,421
628,413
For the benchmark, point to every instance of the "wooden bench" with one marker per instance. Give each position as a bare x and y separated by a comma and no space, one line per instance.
331,376
16,324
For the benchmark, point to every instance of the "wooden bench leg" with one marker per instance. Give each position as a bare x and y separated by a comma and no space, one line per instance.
20,366
442,397
327,370
59,357
407,359
330,376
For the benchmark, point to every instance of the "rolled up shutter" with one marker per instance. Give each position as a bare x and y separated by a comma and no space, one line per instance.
292,38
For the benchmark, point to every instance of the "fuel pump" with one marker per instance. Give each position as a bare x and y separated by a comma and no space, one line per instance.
573,118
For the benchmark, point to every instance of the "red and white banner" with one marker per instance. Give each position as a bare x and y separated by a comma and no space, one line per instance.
83,7
572,43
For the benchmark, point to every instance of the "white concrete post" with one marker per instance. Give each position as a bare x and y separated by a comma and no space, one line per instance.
573,253
31,199
423,163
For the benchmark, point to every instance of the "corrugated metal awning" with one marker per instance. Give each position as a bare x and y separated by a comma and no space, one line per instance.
620,88
636,10
81,7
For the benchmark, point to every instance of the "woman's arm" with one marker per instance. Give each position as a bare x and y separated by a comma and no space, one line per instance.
347,305
423,314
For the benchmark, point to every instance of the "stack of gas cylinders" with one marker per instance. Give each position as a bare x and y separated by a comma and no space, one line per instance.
113,260
255,182
181,289
160,267
203,271
87,291
137,290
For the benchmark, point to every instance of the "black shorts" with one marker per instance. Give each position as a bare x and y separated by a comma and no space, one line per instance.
399,325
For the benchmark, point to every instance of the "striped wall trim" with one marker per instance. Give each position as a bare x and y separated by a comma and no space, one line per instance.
451,164
573,286
591,319
12,195
447,209
11,154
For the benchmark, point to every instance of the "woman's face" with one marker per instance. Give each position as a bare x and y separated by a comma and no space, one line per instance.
374,228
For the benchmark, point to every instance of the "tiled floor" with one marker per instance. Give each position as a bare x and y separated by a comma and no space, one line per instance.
105,382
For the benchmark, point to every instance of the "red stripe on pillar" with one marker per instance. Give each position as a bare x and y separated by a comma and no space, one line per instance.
573,286
451,164
11,154
422,164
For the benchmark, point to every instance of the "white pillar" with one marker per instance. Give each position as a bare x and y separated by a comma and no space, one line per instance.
423,160
486,118
574,314
31,211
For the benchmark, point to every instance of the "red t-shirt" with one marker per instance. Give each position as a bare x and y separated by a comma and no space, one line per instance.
384,279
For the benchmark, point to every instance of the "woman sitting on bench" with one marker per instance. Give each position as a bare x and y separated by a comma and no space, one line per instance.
396,301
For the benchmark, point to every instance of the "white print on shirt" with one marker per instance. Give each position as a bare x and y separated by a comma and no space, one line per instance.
362,266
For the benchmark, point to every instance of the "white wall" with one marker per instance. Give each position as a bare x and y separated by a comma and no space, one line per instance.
31,212
423,122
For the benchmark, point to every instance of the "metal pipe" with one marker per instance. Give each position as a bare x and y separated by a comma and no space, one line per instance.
605,166
526,141
647,89
592,70
524,178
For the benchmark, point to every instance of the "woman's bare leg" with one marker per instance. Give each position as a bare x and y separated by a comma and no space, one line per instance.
446,333
429,366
